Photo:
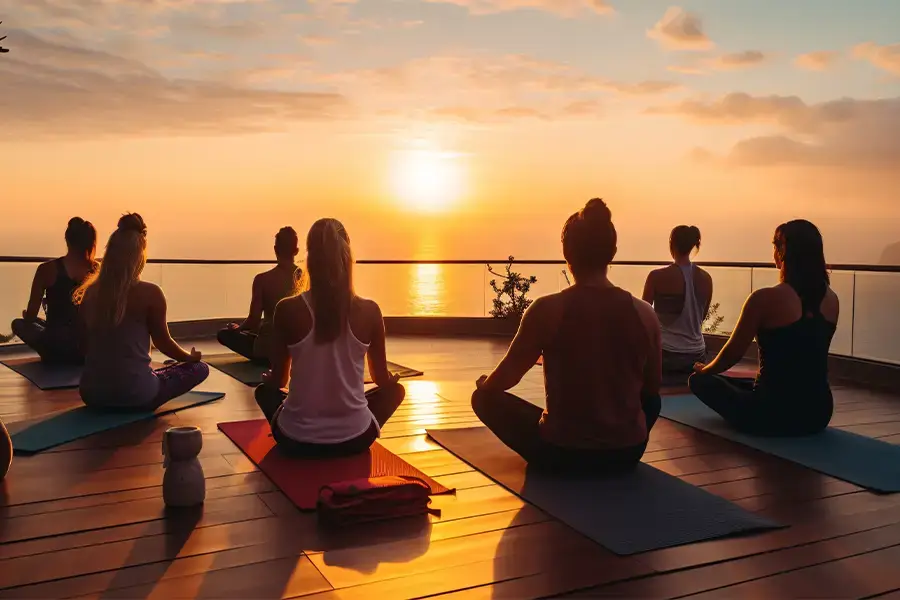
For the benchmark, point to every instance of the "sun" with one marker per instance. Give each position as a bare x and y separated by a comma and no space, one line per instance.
427,180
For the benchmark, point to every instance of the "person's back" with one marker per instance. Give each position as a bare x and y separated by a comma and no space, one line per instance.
326,401
117,358
275,285
594,370
793,350
70,273
681,294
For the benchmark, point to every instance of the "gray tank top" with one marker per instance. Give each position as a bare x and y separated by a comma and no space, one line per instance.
685,335
117,369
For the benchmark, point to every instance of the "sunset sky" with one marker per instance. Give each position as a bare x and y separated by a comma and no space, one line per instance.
451,128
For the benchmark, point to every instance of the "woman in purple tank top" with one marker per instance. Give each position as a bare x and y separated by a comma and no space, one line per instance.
601,349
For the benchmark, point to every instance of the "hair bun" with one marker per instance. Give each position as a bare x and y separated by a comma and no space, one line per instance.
76,222
596,210
132,222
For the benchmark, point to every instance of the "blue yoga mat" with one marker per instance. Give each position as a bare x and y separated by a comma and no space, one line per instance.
866,462
76,423
627,514
46,377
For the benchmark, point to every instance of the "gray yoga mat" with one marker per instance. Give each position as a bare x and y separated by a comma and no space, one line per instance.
69,425
46,377
866,462
250,373
627,514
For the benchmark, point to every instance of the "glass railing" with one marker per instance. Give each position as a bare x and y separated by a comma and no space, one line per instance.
198,290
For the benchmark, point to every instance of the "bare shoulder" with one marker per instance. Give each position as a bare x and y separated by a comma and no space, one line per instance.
831,305
703,274
367,306
148,291
645,311
46,272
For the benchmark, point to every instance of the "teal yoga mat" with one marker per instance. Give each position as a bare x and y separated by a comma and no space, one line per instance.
627,514
250,373
46,377
73,424
866,462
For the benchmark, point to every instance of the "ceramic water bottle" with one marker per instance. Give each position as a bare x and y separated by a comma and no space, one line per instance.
183,483
6,451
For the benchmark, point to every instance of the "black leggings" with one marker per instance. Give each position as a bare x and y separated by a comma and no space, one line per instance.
383,402
753,411
55,345
242,342
517,424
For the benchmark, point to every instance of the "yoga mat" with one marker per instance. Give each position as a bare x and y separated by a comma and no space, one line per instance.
301,479
627,514
866,462
250,373
69,425
46,377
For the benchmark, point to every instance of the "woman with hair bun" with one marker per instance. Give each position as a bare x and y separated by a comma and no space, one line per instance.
601,349
56,338
793,323
322,339
681,295
120,316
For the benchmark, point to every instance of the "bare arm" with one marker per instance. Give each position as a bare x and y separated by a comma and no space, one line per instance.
522,355
159,328
649,291
741,338
38,286
254,316
653,368
280,356
711,294
377,354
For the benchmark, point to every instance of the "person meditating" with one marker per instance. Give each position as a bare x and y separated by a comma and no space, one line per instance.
56,338
251,338
322,339
120,315
601,349
681,294
793,323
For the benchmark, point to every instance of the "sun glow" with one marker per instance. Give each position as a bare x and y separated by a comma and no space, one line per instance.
427,179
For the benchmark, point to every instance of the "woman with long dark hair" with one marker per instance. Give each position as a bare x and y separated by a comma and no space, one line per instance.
322,339
681,294
793,323
120,315
601,349
55,338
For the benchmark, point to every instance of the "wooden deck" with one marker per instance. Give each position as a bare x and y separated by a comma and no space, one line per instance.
87,519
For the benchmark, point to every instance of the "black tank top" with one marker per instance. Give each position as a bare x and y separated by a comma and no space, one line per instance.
793,361
61,311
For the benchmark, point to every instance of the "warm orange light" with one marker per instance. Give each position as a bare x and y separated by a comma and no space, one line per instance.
427,180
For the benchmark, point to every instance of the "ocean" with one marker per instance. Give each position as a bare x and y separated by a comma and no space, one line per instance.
868,327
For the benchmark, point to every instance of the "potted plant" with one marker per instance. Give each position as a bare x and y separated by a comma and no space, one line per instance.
511,297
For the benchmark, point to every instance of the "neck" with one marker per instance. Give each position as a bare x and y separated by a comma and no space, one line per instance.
286,262
75,256
683,260
594,280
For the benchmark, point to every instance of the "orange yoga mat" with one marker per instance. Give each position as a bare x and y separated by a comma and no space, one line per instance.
301,479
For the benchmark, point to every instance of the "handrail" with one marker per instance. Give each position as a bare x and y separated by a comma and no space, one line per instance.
862,268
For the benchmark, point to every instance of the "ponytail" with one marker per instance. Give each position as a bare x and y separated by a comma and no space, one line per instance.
329,273
120,269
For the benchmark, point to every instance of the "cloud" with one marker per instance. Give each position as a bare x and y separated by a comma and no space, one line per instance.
821,60
847,133
54,89
737,60
566,8
789,112
884,57
680,30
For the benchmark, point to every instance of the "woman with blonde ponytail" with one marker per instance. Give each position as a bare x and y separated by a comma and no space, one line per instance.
322,340
120,315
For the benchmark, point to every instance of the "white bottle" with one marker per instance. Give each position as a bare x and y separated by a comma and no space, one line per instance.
184,483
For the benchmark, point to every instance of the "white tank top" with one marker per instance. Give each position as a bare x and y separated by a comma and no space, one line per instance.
684,335
326,401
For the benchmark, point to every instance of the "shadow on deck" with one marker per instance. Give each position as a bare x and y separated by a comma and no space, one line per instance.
87,519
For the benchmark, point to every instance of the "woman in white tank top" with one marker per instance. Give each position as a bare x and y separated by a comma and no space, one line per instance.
681,294
322,339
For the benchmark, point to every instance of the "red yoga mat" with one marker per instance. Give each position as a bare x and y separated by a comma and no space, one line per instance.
301,479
